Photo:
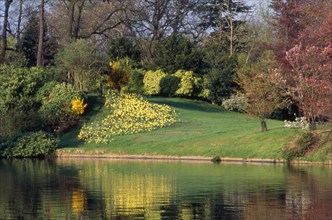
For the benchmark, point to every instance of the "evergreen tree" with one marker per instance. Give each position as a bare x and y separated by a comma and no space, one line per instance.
29,42
122,48
223,19
177,52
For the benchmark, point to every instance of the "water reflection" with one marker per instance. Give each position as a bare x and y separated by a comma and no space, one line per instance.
106,189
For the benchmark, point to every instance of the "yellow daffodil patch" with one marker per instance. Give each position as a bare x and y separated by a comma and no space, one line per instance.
129,114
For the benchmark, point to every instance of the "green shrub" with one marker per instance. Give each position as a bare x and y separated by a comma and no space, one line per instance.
298,146
190,84
18,103
82,64
135,84
169,85
152,81
56,109
37,144
19,85
124,48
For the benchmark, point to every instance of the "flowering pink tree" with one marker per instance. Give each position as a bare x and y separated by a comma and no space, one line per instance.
303,51
309,81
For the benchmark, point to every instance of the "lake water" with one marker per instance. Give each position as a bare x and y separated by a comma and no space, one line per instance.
114,189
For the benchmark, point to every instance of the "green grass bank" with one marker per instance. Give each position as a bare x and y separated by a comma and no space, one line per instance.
203,130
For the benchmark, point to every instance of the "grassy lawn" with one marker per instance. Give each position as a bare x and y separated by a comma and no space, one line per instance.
202,130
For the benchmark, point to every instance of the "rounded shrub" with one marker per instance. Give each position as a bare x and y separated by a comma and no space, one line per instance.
169,85
152,80
33,144
135,84
57,102
237,102
187,84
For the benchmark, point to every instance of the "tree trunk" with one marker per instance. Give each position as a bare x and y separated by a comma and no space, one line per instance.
263,125
40,57
18,30
71,19
4,32
76,28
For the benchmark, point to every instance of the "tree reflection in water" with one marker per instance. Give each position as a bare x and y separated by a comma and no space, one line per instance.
106,189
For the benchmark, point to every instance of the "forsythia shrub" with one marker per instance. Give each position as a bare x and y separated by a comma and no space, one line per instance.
129,114
78,106
120,74
56,110
152,80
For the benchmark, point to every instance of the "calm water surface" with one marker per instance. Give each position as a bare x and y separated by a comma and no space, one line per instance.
111,189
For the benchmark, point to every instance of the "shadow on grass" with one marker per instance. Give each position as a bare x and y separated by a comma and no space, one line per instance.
196,106
69,140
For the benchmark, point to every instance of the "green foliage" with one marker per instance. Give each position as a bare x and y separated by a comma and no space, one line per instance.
56,101
189,84
29,42
177,52
119,76
127,114
14,121
299,145
82,64
16,58
18,87
18,103
220,79
37,144
135,84
263,94
169,85
124,48
152,81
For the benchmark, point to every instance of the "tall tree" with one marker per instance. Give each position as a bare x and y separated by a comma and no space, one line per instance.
98,20
154,20
305,57
29,41
40,50
4,32
19,22
223,17
177,52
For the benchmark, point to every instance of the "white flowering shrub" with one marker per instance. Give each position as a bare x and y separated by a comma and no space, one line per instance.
237,102
300,122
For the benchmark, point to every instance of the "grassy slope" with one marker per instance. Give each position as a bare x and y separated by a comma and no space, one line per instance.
203,130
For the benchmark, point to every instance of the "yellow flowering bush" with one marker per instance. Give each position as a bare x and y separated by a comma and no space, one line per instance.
129,114
78,106
120,74
152,80
186,86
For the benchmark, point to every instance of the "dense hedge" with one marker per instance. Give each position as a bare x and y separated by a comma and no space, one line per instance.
32,144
